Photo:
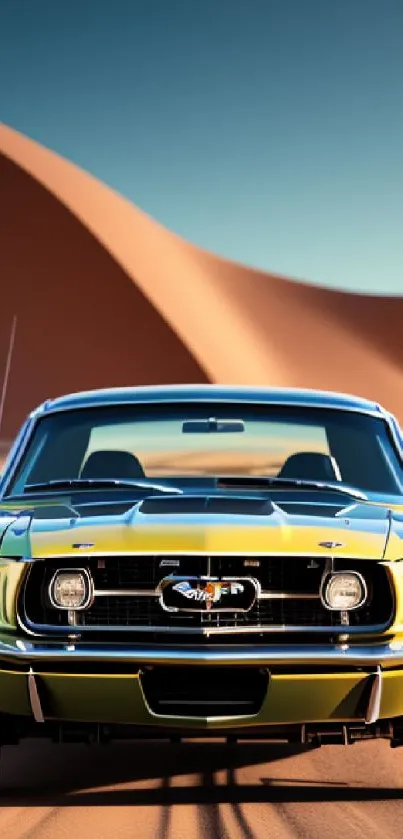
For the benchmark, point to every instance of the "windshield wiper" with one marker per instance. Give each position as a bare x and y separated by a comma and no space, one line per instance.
289,482
100,483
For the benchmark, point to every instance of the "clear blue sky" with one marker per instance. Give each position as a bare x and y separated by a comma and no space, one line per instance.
268,131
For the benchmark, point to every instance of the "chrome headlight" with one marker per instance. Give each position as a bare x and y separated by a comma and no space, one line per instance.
344,590
71,589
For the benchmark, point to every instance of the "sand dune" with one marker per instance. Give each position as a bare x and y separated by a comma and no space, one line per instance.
106,295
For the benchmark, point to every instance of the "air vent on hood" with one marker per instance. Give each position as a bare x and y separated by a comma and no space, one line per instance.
297,508
196,504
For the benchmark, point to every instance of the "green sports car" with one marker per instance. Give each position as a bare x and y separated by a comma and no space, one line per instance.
194,561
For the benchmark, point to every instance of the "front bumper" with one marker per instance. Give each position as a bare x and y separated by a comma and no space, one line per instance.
94,683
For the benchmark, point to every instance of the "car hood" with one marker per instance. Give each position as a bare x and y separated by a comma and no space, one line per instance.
242,525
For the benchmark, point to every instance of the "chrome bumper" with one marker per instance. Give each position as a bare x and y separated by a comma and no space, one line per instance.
388,655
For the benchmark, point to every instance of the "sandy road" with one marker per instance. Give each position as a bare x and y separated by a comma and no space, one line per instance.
161,791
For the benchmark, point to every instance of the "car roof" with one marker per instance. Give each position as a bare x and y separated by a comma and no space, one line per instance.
210,392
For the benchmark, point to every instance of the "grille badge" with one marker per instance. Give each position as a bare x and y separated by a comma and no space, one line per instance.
207,594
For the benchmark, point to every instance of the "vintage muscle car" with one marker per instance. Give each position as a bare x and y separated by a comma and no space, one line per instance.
194,561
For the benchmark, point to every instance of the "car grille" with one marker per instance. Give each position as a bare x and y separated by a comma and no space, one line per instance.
125,596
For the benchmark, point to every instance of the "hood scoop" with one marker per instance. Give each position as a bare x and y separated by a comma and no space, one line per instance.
208,504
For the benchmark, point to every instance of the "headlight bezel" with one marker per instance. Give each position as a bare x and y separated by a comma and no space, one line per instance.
332,575
89,589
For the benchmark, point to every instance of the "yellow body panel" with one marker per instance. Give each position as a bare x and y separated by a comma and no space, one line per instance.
11,577
290,699
231,537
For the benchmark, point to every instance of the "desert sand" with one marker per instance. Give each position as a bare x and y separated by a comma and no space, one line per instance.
105,295
201,791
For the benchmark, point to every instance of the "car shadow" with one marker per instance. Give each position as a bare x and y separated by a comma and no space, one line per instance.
38,774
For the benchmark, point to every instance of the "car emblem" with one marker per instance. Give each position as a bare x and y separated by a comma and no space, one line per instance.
197,594
331,545
171,563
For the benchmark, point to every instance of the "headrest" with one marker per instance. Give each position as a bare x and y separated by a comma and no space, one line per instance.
112,464
313,466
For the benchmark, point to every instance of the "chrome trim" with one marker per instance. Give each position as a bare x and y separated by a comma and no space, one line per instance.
286,595
375,697
326,580
359,655
129,592
90,589
156,554
34,698
157,591
154,592
45,630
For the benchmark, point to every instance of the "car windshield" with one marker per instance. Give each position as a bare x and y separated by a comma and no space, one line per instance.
199,440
